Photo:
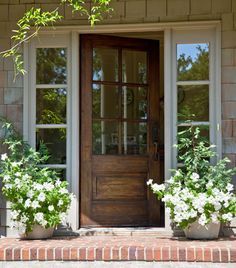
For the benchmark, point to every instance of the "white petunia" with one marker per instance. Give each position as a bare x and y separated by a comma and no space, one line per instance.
214,217
60,203
35,204
27,203
149,182
17,174
14,214
51,208
58,183
229,187
4,157
209,185
8,186
48,186
63,191
41,197
6,178
202,219
38,186
158,187
227,217
30,194
195,176
39,217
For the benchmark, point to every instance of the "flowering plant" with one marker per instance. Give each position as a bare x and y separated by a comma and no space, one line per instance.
36,194
198,191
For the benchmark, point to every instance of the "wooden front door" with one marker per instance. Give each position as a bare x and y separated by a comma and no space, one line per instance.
119,131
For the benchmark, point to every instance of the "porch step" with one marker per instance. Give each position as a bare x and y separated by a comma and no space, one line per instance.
119,248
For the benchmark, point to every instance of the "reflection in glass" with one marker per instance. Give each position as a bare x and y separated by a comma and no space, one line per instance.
51,106
193,103
134,66
134,103
51,66
105,137
55,140
105,101
134,138
193,62
61,173
105,64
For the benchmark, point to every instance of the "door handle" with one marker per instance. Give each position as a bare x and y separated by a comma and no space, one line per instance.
155,141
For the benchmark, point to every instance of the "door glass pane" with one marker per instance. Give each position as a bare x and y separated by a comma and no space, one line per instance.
134,103
105,137
193,103
51,66
105,64
134,140
105,101
51,106
55,140
192,62
134,66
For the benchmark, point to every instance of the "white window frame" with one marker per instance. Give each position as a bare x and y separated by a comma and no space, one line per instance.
68,36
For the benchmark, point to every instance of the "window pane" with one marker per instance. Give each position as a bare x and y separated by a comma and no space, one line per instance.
105,137
51,66
193,62
134,66
134,139
105,101
51,106
61,172
193,103
105,64
55,140
134,103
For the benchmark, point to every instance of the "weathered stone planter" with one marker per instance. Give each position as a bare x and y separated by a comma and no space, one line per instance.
38,232
197,231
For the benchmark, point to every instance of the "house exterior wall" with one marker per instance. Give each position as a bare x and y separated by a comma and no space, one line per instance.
128,11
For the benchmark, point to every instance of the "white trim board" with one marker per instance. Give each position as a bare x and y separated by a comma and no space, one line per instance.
68,36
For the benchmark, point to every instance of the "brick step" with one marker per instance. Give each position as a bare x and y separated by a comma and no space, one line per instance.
111,248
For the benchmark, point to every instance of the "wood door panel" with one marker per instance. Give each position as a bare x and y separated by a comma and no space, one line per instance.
120,187
113,176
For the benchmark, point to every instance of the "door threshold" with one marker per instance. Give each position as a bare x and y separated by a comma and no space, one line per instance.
117,231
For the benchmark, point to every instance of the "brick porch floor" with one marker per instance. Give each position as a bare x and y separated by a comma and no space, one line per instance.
111,248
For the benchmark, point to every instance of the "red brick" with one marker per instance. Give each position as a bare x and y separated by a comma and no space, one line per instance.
215,255
140,254
115,254
82,254
66,254
107,254
232,255
157,254
41,255
33,254
25,254
1,254
199,254
149,254
124,253
182,254
132,253
174,254
58,254
74,254
91,254
190,254
224,255
9,254
165,254
17,254
207,255
50,254
98,254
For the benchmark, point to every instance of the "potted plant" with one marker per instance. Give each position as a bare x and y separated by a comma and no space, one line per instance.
199,195
39,200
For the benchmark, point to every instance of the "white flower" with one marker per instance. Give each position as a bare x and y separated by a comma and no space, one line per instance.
18,183
209,184
38,186
4,157
15,164
149,182
58,183
171,180
18,174
227,217
229,187
27,203
158,187
63,191
8,186
217,206
30,194
195,176
26,176
48,186
35,204
24,219
202,219
6,178
60,203
197,185
14,214
51,208
41,197
214,217
39,217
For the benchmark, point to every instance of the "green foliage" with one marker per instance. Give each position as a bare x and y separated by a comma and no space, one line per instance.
34,19
36,193
199,191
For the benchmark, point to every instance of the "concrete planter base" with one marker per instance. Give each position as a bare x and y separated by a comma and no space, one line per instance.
38,232
197,231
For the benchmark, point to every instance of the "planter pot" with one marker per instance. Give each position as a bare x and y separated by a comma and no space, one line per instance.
38,232
197,231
